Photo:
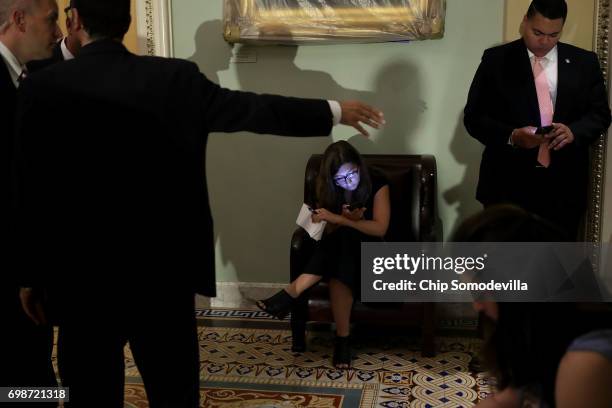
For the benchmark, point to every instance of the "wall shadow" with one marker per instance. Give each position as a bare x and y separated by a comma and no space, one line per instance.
468,152
398,95
212,53
256,181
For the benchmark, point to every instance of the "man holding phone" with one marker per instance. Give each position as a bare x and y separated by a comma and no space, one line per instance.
537,104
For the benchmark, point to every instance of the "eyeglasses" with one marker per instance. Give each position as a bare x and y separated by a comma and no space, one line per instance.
347,178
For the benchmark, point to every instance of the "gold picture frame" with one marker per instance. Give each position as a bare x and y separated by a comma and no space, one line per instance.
332,21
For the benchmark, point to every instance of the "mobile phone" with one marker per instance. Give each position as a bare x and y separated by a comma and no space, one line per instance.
542,130
354,206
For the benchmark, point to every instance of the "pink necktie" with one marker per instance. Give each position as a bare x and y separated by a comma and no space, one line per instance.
546,107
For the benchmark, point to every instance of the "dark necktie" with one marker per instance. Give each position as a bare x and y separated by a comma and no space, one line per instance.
22,76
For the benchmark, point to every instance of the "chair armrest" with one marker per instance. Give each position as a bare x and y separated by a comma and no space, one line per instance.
430,224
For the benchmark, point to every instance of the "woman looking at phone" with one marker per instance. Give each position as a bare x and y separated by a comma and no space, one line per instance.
354,201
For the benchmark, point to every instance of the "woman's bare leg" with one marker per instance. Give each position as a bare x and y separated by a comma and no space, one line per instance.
303,282
342,302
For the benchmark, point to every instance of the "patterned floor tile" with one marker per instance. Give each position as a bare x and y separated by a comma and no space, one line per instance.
398,377
244,367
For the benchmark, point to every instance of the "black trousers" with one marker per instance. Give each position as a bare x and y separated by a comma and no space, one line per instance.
542,195
160,328
25,348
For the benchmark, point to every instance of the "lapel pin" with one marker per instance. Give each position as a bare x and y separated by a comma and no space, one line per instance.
567,61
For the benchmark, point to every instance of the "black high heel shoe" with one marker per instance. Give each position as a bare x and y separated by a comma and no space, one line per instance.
342,353
277,305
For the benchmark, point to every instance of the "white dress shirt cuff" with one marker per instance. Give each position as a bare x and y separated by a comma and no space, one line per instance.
336,111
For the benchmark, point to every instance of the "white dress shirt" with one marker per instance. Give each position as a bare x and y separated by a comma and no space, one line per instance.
14,67
550,65
65,51
336,111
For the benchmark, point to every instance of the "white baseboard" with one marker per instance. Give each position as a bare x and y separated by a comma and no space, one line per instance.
241,295
237,295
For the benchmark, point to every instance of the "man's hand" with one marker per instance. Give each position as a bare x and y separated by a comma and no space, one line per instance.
526,138
560,137
354,112
31,302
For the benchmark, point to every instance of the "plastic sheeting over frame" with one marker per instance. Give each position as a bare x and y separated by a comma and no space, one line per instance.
332,21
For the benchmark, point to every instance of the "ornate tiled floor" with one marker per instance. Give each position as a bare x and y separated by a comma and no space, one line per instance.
255,367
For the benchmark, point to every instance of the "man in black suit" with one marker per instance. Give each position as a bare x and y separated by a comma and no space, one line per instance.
117,206
526,84
28,31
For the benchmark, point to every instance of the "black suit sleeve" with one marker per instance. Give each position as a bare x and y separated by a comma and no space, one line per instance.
477,118
28,125
596,118
225,110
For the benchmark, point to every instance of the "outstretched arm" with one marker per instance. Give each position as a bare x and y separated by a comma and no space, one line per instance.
226,110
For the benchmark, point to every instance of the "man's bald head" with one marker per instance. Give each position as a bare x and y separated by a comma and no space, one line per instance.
7,7
29,28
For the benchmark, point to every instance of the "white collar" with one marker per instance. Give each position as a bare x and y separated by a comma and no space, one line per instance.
15,68
550,57
65,51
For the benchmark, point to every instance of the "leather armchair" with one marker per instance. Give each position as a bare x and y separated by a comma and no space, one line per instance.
414,217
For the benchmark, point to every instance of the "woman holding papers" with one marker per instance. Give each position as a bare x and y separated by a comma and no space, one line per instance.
354,202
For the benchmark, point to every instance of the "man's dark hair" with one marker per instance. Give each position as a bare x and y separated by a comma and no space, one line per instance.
104,18
551,9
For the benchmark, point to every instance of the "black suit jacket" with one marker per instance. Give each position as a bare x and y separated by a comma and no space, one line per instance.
118,194
503,97
8,100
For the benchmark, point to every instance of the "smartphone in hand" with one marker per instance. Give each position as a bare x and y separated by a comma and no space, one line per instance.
542,130
354,206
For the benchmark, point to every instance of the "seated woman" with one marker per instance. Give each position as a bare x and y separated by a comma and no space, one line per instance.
354,201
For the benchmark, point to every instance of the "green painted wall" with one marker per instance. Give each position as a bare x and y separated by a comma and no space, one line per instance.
255,182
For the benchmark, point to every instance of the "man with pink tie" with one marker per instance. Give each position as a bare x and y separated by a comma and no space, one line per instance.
536,104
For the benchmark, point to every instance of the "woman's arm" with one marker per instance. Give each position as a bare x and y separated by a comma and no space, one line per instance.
377,226
584,379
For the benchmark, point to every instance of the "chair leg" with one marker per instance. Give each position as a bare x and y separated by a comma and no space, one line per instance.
428,346
299,316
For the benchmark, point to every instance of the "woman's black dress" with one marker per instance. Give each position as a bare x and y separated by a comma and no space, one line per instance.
337,255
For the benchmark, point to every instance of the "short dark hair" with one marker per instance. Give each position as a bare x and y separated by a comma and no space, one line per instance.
104,18
551,9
